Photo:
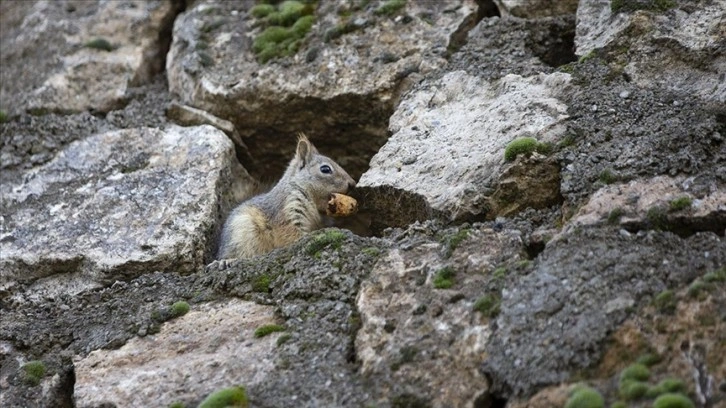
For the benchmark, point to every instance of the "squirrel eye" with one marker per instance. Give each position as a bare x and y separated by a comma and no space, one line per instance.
325,169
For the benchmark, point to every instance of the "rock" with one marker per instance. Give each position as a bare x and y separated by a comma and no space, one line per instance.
91,216
680,204
457,127
536,8
70,56
529,182
671,46
339,91
211,347
552,320
417,340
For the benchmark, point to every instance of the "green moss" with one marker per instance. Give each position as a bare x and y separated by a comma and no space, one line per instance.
179,308
631,389
673,401
680,203
657,218
699,289
673,385
332,238
3,116
488,305
227,397
666,301
716,276
619,404
607,177
371,251
444,278
176,405
637,372
263,331
585,397
284,338
451,242
288,13
526,146
649,359
262,283
303,25
390,7
499,273
614,216
33,372
587,57
99,44
262,10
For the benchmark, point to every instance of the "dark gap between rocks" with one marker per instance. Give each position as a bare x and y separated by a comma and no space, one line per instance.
487,8
553,43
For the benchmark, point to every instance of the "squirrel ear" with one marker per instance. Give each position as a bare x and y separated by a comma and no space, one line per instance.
305,150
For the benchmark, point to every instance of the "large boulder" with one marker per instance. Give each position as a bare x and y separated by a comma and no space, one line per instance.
73,56
93,215
340,87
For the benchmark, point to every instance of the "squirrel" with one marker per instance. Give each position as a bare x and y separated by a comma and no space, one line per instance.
290,209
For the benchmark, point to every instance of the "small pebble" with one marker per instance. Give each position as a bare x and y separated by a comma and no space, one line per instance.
625,94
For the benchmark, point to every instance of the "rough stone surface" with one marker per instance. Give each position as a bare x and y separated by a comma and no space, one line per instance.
559,315
536,8
676,49
47,66
90,216
650,203
340,92
416,336
449,137
211,347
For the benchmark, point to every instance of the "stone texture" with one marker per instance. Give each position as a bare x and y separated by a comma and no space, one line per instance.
676,49
536,8
211,347
340,92
48,68
559,315
449,137
422,342
529,182
647,203
91,217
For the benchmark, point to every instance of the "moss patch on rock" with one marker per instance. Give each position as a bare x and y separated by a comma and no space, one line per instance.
585,397
286,25
33,372
525,146
267,329
444,278
226,397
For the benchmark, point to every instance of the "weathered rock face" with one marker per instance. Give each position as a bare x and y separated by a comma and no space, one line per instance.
211,347
339,89
449,138
605,248
90,217
675,48
73,56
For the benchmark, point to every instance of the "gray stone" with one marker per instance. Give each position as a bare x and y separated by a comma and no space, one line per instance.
211,347
458,127
91,216
48,67
536,8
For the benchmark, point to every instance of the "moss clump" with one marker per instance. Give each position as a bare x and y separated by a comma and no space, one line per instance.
262,10
526,146
716,276
673,401
3,116
637,372
585,397
649,359
699,289
614,216
607,177
444,278
179,308
499,273
631,390
176,405
263,331
331,237
667,385
390,7
681,203
262,283
33,372
657,218
619,404
287,24
99,44
665,301
227,397
284,338
452,242
371,251
488,305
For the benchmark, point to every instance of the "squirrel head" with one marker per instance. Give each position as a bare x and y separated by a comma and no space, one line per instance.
318,175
